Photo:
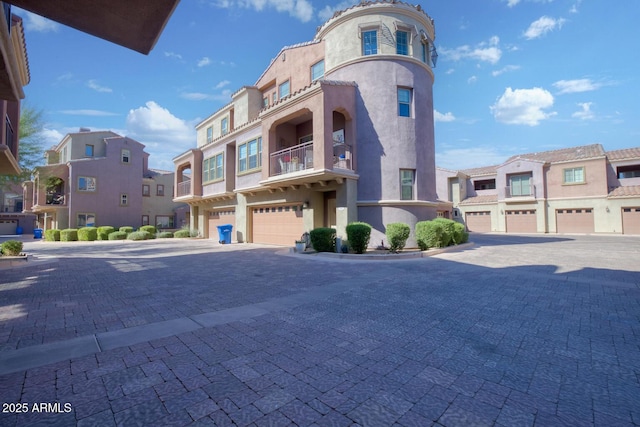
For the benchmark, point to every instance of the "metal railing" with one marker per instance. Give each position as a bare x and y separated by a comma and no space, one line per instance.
292,159
184,188
520,191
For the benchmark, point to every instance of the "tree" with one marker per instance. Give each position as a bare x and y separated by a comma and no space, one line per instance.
31,146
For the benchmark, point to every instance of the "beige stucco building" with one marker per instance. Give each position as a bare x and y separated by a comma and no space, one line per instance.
573,190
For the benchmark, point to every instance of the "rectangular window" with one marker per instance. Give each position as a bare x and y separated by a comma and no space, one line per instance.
160,190
573,175
86,220
164,221
88,150
407,179
520,185
209,134
284,89
404,102
126,156
86,183
213,168
224,126
145,219
317,71
265,102
402,43
124,200
370,42
146,190
250,155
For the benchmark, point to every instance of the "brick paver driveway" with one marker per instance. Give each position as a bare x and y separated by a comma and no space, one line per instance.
517,330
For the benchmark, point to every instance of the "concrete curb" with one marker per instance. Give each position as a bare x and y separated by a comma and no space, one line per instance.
379,257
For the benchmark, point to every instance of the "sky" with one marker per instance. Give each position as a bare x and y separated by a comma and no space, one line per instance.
512,76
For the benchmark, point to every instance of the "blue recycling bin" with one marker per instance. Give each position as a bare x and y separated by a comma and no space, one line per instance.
19,230
37,233
224,233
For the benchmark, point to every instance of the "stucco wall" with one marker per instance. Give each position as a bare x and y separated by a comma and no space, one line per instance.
595,180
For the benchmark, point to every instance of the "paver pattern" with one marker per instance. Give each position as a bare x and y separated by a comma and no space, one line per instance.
516,331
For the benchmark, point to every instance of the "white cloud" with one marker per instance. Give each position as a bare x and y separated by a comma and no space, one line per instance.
446,117
86,112
204,62
542,26
523,106
222,84
98,88
512,3
50,137
576,86
574,8
471,80
485,52
224,96
585,113
327,12
299,9
164,135
39,24
469,157
506,69
173,55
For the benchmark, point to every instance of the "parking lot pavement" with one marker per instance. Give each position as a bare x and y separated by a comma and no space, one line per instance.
517,330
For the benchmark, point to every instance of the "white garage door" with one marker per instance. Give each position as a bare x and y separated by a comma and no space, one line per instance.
631,220
277,225
8,226
478,221
574,221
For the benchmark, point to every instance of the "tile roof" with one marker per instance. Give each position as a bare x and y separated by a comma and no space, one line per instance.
484,170
563,154
624,154
626,191
489,198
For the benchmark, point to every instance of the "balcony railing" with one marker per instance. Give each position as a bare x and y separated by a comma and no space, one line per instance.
523,191
55,199
292,159
184,188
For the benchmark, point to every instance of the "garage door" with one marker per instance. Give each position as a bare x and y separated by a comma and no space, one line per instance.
631,220
221,217
574,221
478,221
521,221
278,225
8,226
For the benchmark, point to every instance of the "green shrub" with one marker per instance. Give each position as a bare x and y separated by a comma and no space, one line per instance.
449,227
139,235
181,234
11,248
104,231
460,234
117,235
126,229
88,234
69,235
358,234
323,239
52,235
431,234
164,235
397,235
149,229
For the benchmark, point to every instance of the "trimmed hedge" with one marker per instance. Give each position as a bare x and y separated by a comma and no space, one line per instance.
460,234
323,239
126,229
139,235
11,248
358,234
397,235
164,235
104,231
118,235
151,229
439,233
69,235
181,234
88,234
52,235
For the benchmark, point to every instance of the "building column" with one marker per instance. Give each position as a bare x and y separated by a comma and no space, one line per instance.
346,206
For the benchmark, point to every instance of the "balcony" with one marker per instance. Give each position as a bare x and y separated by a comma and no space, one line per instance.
292,159
183,189
526,191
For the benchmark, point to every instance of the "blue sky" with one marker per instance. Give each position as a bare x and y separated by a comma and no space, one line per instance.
513,76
